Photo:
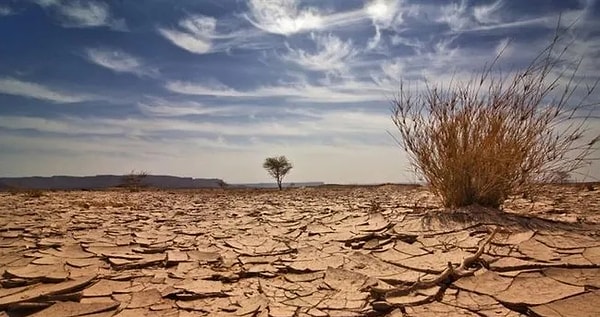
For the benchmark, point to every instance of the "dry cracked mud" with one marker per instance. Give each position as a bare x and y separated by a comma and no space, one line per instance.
333,251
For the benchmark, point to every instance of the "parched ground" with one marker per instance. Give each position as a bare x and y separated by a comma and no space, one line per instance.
332,251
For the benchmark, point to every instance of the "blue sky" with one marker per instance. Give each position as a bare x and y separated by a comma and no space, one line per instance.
209,88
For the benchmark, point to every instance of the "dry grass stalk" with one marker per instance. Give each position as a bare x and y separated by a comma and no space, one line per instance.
481,141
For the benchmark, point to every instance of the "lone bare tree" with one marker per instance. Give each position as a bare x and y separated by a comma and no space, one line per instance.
277,167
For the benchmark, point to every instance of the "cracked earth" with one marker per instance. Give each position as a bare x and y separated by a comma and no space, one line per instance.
333,251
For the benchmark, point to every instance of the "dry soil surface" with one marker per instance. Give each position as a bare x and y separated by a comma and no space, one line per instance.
334,251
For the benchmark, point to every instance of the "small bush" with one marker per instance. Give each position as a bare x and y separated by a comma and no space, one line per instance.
34,193
133,181
481,141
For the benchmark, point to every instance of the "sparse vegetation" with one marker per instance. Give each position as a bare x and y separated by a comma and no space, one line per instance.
375,206
134,180
33,193
483,140
278,167
26,192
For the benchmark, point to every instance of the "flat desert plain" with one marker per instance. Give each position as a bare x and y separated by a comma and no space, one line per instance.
330,251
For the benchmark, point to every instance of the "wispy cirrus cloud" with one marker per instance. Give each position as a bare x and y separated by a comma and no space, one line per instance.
295,124
488,14
119,61
159,107
199,34
194,34
416,44
462,17
145,126
331,54
300,91
288,17
16,87
83,14
392,71
457,16
209,88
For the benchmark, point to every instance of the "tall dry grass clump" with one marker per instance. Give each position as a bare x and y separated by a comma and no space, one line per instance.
481,141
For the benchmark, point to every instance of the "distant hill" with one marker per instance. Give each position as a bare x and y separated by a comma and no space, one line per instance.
107,181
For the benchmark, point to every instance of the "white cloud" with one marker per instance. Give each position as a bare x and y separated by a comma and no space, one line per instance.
83,13
547,22
352,122
347,91
5,10
384,13
331,54
194,34
123,142
337,123
437,63
159,107
47,3
488,14
118,61
11,86
416,44
456,16
375,40
444,51
287,17
392,72
460,17
442,58
144,126
86,13
283,17
205,89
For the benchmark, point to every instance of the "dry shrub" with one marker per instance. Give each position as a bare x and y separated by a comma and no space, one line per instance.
34,193
134,180
481,141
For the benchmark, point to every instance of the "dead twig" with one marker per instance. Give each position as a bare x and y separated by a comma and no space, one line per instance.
449,275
